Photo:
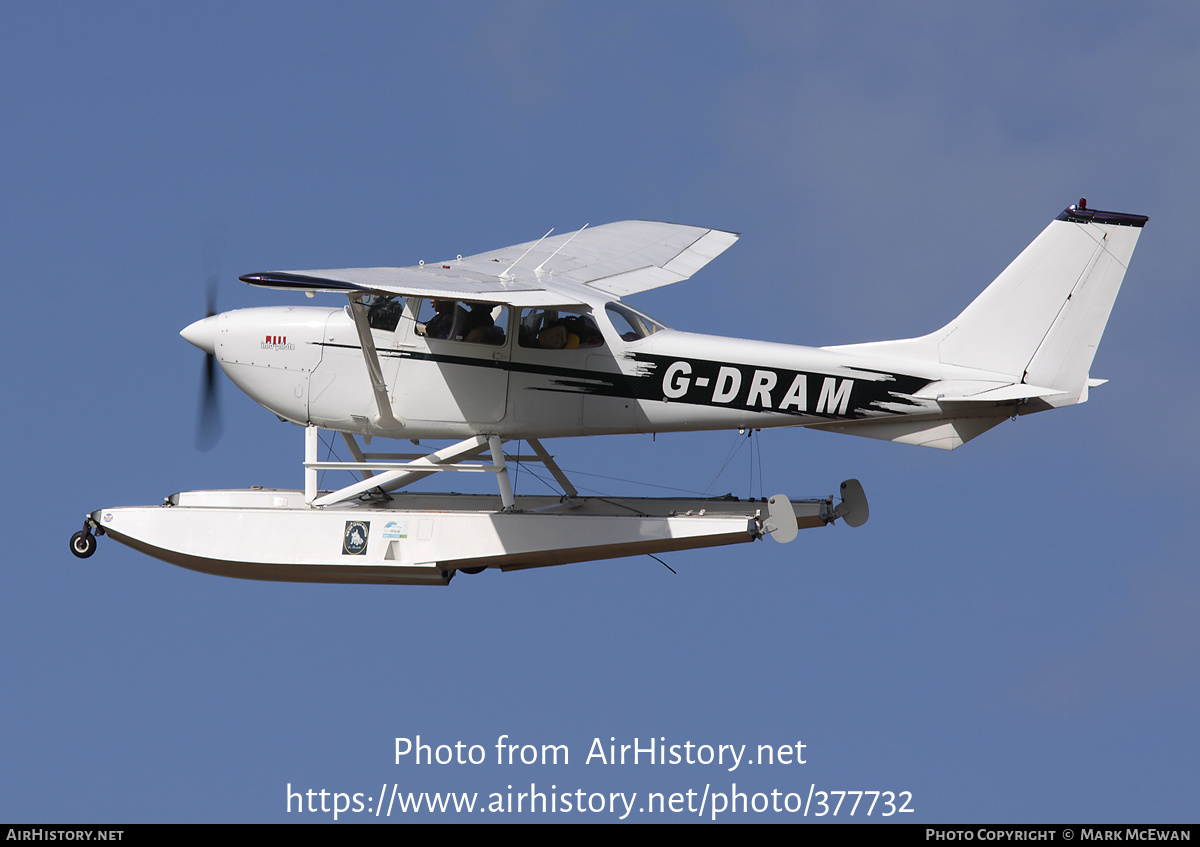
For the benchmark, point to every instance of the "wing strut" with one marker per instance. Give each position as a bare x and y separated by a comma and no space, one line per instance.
387,420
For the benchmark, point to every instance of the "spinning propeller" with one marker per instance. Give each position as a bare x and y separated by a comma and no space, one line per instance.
208,429
202,334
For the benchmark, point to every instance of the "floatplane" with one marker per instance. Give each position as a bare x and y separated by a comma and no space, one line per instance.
535,342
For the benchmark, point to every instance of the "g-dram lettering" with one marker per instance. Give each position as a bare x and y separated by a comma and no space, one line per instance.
729,380
675,381
797,395
832,394
761,387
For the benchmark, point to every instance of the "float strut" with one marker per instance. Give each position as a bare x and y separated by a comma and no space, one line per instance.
506,492
312,440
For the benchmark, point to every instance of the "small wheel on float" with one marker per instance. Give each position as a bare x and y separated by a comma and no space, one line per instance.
83,544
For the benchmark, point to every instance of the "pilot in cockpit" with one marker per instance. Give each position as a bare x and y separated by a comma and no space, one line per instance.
440,324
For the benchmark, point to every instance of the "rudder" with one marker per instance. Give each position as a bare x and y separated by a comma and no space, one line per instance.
1040,321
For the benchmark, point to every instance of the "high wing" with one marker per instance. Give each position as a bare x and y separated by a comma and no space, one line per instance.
615,259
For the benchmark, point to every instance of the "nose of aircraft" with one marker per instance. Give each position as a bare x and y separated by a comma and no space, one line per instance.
203,334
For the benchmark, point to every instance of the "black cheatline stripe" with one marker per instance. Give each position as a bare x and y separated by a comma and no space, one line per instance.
581,381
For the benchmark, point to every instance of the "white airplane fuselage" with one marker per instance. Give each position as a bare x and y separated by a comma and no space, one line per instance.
306,365
594,366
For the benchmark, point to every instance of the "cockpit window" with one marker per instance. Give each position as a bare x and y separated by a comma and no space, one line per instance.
384,313
558,329
631,324
453,320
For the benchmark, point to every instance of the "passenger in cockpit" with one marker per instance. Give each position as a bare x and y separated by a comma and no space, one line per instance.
480,327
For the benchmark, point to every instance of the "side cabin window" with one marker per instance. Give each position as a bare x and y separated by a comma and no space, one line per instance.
383,313
558,329
456,320
631,324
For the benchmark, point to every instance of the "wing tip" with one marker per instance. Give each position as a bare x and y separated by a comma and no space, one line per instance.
296,282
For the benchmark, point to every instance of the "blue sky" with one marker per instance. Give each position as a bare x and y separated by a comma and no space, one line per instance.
1012,637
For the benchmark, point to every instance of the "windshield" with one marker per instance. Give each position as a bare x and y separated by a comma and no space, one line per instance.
631,324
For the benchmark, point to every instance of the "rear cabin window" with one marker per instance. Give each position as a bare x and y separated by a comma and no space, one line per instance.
558,329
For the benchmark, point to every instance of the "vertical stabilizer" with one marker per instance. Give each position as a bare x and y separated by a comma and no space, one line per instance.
1042,318
1040,321
1031,335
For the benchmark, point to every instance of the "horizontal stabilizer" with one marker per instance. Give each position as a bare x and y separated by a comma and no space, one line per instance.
972,391
942,433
